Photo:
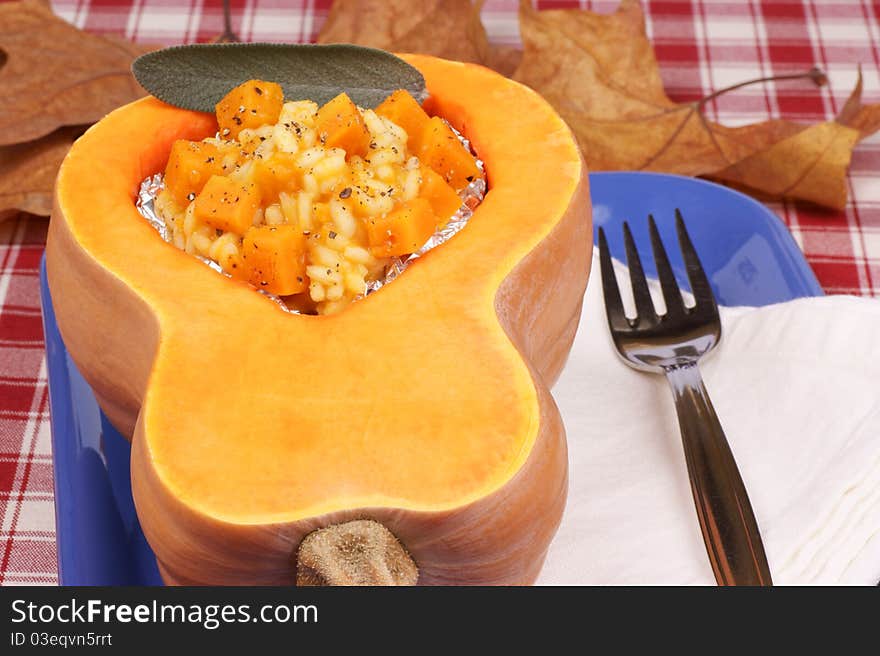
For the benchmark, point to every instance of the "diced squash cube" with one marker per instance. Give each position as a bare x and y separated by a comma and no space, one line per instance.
274,259
190,165
442,151
227,205
340,125
403,230
443,199
249,105
404,110
276,174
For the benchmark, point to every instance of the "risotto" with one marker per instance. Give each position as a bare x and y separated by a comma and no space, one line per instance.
311,203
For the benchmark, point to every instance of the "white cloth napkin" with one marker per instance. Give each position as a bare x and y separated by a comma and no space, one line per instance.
797,389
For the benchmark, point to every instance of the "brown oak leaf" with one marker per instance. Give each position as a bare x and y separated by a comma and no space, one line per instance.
444,28
864,118
809,165
28,170
55,75
601,74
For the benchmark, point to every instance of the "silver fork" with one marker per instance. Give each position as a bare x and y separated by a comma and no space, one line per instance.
672,344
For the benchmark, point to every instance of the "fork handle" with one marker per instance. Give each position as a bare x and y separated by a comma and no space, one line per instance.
726,518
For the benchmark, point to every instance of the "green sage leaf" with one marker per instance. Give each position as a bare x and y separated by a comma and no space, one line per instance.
198,76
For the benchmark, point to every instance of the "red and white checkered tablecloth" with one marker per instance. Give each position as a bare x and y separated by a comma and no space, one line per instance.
702,45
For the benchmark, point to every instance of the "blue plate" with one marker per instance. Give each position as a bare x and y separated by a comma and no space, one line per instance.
748,253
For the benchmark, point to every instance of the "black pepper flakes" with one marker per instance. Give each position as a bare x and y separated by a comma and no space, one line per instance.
332,235
258,91
345,193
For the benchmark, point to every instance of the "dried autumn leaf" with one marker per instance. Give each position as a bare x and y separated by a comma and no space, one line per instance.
864,118
28,170
809,165
504,59
445,28
601,74
57,75
134,49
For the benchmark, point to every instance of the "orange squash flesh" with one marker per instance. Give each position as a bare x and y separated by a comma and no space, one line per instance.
225,204
190,166
401,108
250,105
443,199
273,258
425,406
275,175
340,125
441,150
403,230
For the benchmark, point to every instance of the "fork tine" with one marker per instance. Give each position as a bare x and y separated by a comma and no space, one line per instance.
671,292
700,286
641,294
613,303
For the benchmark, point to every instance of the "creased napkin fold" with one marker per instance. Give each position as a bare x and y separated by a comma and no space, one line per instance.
797,389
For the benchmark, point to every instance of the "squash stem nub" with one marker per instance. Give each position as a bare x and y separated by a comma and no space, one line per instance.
359,552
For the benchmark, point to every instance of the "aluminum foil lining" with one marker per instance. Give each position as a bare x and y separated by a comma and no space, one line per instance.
471,196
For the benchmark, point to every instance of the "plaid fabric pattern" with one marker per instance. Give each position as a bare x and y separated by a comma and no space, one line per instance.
702,45
27,512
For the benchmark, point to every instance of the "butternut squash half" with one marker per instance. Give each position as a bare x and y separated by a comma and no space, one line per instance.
424,407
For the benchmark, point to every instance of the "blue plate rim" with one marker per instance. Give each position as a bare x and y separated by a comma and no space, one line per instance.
792,251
